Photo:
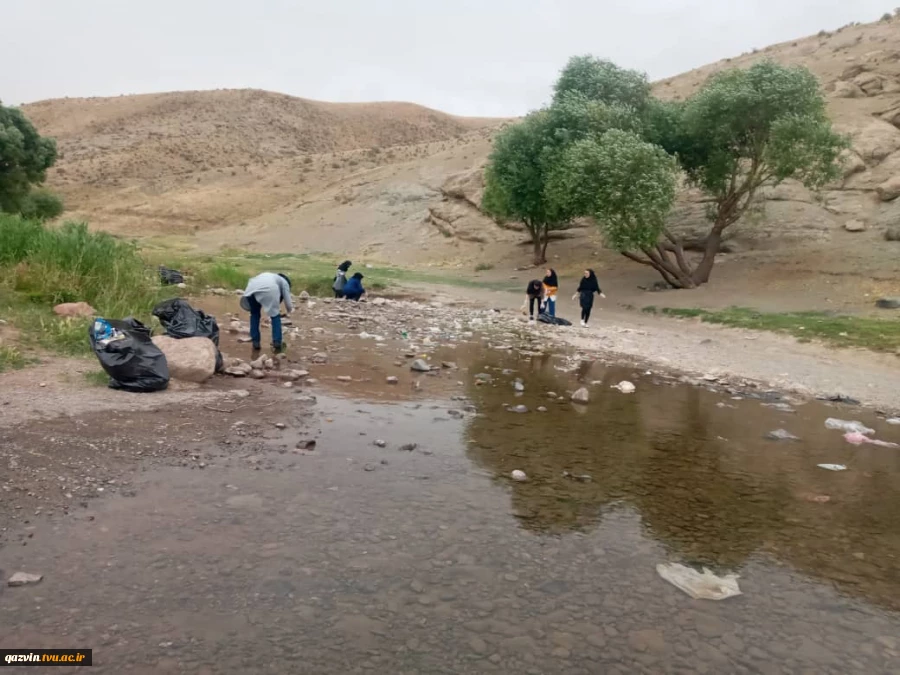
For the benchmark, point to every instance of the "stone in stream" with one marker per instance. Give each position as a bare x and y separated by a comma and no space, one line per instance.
518,386
344,378
257,374
781,435
542,408
419,365
520,409
280,425
319,357
519,476
393,380
24,579
581,396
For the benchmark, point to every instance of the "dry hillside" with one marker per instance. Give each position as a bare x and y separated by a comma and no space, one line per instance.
400,182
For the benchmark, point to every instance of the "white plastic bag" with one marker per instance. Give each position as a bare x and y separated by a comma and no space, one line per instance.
700,586
844,425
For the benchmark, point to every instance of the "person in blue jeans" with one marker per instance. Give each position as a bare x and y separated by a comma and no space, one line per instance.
265,293
353,290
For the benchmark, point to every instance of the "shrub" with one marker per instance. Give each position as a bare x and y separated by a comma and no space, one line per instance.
41,205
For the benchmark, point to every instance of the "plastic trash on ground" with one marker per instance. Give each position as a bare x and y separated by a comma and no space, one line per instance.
832,467
844,425
170,277
128,356
543,317
860,439
183,321
699,585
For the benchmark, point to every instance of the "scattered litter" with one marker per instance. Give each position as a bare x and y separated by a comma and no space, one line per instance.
860,439
128,355
306,445
519,475
700,586
584,478
625,387
844,425
839,398
832,467
781,435
170,277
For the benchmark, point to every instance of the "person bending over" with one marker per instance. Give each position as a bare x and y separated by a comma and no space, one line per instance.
265,293
533,295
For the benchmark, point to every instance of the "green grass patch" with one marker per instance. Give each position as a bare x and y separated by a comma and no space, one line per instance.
223,275
11,358
882,335
97,378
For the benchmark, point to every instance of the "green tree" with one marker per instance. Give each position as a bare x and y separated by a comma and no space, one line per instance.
515,177
627,185
25,157
745,130
603,81
41,205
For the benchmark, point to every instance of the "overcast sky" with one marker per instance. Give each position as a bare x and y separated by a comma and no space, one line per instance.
490,57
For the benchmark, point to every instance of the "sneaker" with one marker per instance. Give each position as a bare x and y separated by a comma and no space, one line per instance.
583,324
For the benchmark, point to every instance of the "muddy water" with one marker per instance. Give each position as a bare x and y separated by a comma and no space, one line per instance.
359,559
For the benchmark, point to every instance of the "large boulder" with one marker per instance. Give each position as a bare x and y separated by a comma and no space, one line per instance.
848,90
889,190
190,359
876,140
74,309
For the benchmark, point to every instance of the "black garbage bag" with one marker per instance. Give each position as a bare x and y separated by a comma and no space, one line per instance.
128,356
543,317
183,321
170,277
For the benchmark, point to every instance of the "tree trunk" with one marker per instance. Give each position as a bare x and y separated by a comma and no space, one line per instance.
704,268
540,237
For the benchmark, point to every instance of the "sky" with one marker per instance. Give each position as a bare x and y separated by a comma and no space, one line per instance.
485,58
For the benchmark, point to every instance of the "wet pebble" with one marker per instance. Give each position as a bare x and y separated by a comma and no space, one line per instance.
520,409
392,380
380,443
519,475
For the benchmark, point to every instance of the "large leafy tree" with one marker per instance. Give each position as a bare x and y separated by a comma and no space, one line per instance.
742,131
604,81
627,185
25,157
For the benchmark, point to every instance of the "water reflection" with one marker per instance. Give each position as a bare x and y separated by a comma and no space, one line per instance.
697,467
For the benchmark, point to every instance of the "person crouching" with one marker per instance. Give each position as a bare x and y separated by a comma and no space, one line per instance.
354,290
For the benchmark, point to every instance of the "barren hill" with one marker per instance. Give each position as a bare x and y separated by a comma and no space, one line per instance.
400,182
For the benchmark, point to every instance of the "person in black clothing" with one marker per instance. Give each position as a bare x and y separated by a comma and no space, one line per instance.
533,295
585,294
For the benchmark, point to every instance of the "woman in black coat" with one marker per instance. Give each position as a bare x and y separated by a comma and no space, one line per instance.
585,294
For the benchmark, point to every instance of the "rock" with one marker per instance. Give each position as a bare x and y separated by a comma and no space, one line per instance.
781,435
477,645
184,285
892,234
240,393
378,302
238,369
235,327
852,163
369,467
857,225
870,83
307,399
483,378
381,444
518,386
24,579
409,447
304,295
888,303
448,364
419,365
542,408
518,475
894,421
848,90
520,409
319,357
647,640
392,379
889,189
625,387
853,70
74,309
292,375
258,364
218,291
581,396
344,378
306,445
257,374
190,359
876,140
280,425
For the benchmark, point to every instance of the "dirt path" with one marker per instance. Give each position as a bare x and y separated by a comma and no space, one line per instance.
729,354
